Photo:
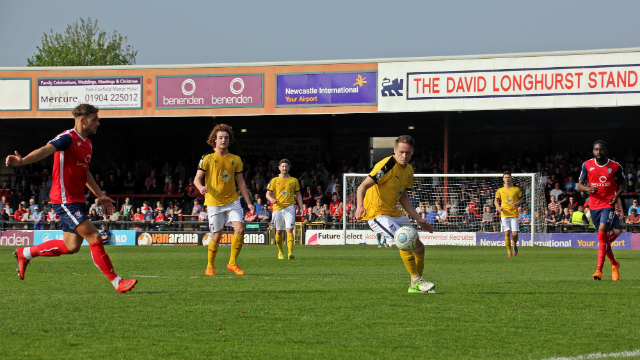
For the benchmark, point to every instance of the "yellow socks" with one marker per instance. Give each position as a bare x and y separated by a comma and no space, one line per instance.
236,246
289,243
409,261
279,243
419,262
213,250
507,241
515,240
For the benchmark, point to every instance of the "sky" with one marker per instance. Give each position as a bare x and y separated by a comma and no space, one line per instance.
240,31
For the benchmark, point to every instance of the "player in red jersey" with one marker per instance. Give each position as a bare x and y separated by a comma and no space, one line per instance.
73,151
604,180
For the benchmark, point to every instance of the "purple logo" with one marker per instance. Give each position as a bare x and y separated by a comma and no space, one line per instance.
210,91
327,89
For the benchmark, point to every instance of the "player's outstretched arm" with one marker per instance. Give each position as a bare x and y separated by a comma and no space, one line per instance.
243,190
360,193
406,204
34,156
107,202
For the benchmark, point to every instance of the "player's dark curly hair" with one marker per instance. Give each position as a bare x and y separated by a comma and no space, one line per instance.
214,134
84,109
604,143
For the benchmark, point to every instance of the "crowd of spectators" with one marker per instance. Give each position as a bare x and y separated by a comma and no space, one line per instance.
460,204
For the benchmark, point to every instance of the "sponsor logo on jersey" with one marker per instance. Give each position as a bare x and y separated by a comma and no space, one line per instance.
603,179
591,169
232,162
225,176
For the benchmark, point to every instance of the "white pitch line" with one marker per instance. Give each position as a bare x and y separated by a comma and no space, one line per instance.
600,356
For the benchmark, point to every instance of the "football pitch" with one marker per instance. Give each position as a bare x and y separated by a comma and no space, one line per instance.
331,302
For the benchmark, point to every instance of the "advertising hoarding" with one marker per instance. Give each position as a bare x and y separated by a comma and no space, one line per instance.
15,94
209,91
590,80
326,89
16,238
107,93
193,238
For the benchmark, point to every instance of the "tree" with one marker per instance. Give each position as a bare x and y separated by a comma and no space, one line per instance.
83,44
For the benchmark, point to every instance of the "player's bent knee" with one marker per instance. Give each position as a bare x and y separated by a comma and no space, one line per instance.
419,248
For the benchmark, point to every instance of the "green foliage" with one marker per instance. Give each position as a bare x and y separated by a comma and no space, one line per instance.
331,302
83,44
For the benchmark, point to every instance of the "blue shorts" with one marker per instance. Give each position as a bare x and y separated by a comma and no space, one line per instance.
71,215
605,216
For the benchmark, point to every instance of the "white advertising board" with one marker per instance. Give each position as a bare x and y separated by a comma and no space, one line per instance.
592,80
123,92
15,94
368,237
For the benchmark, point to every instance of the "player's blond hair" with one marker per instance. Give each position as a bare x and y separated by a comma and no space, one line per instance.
214,134
407,139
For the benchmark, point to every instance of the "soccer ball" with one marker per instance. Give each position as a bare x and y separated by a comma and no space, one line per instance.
406,238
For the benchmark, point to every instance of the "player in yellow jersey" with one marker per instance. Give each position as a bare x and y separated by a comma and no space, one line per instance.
377,200
507,201
283,191
222,171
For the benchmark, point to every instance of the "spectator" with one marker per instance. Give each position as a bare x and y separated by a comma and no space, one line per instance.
24,192
8,209
550,217
45,207
525,219
5,189
27,216
261,192
37,218
129,183
324,216
634,206
637,185
443,215
148,217
44,192
160,216
97,206
105,234
149,180
634,221
32,205
265,215
572,204
331,187
413,199
564,220
570,184
468,217
155,188
318,208
308,197
4,216
52,218
432,217
138,216
196,210
258,205
127,209
19,212
319,195
427,207
250,216
487,218
172,216
93,215
335,203
556,192
554,206
336,215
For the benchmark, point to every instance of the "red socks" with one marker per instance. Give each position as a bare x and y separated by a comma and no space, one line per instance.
102,261
603,246
49,248
612,259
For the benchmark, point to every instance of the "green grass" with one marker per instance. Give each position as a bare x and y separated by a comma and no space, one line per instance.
331,302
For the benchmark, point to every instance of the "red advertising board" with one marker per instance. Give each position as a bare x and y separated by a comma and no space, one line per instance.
16,238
